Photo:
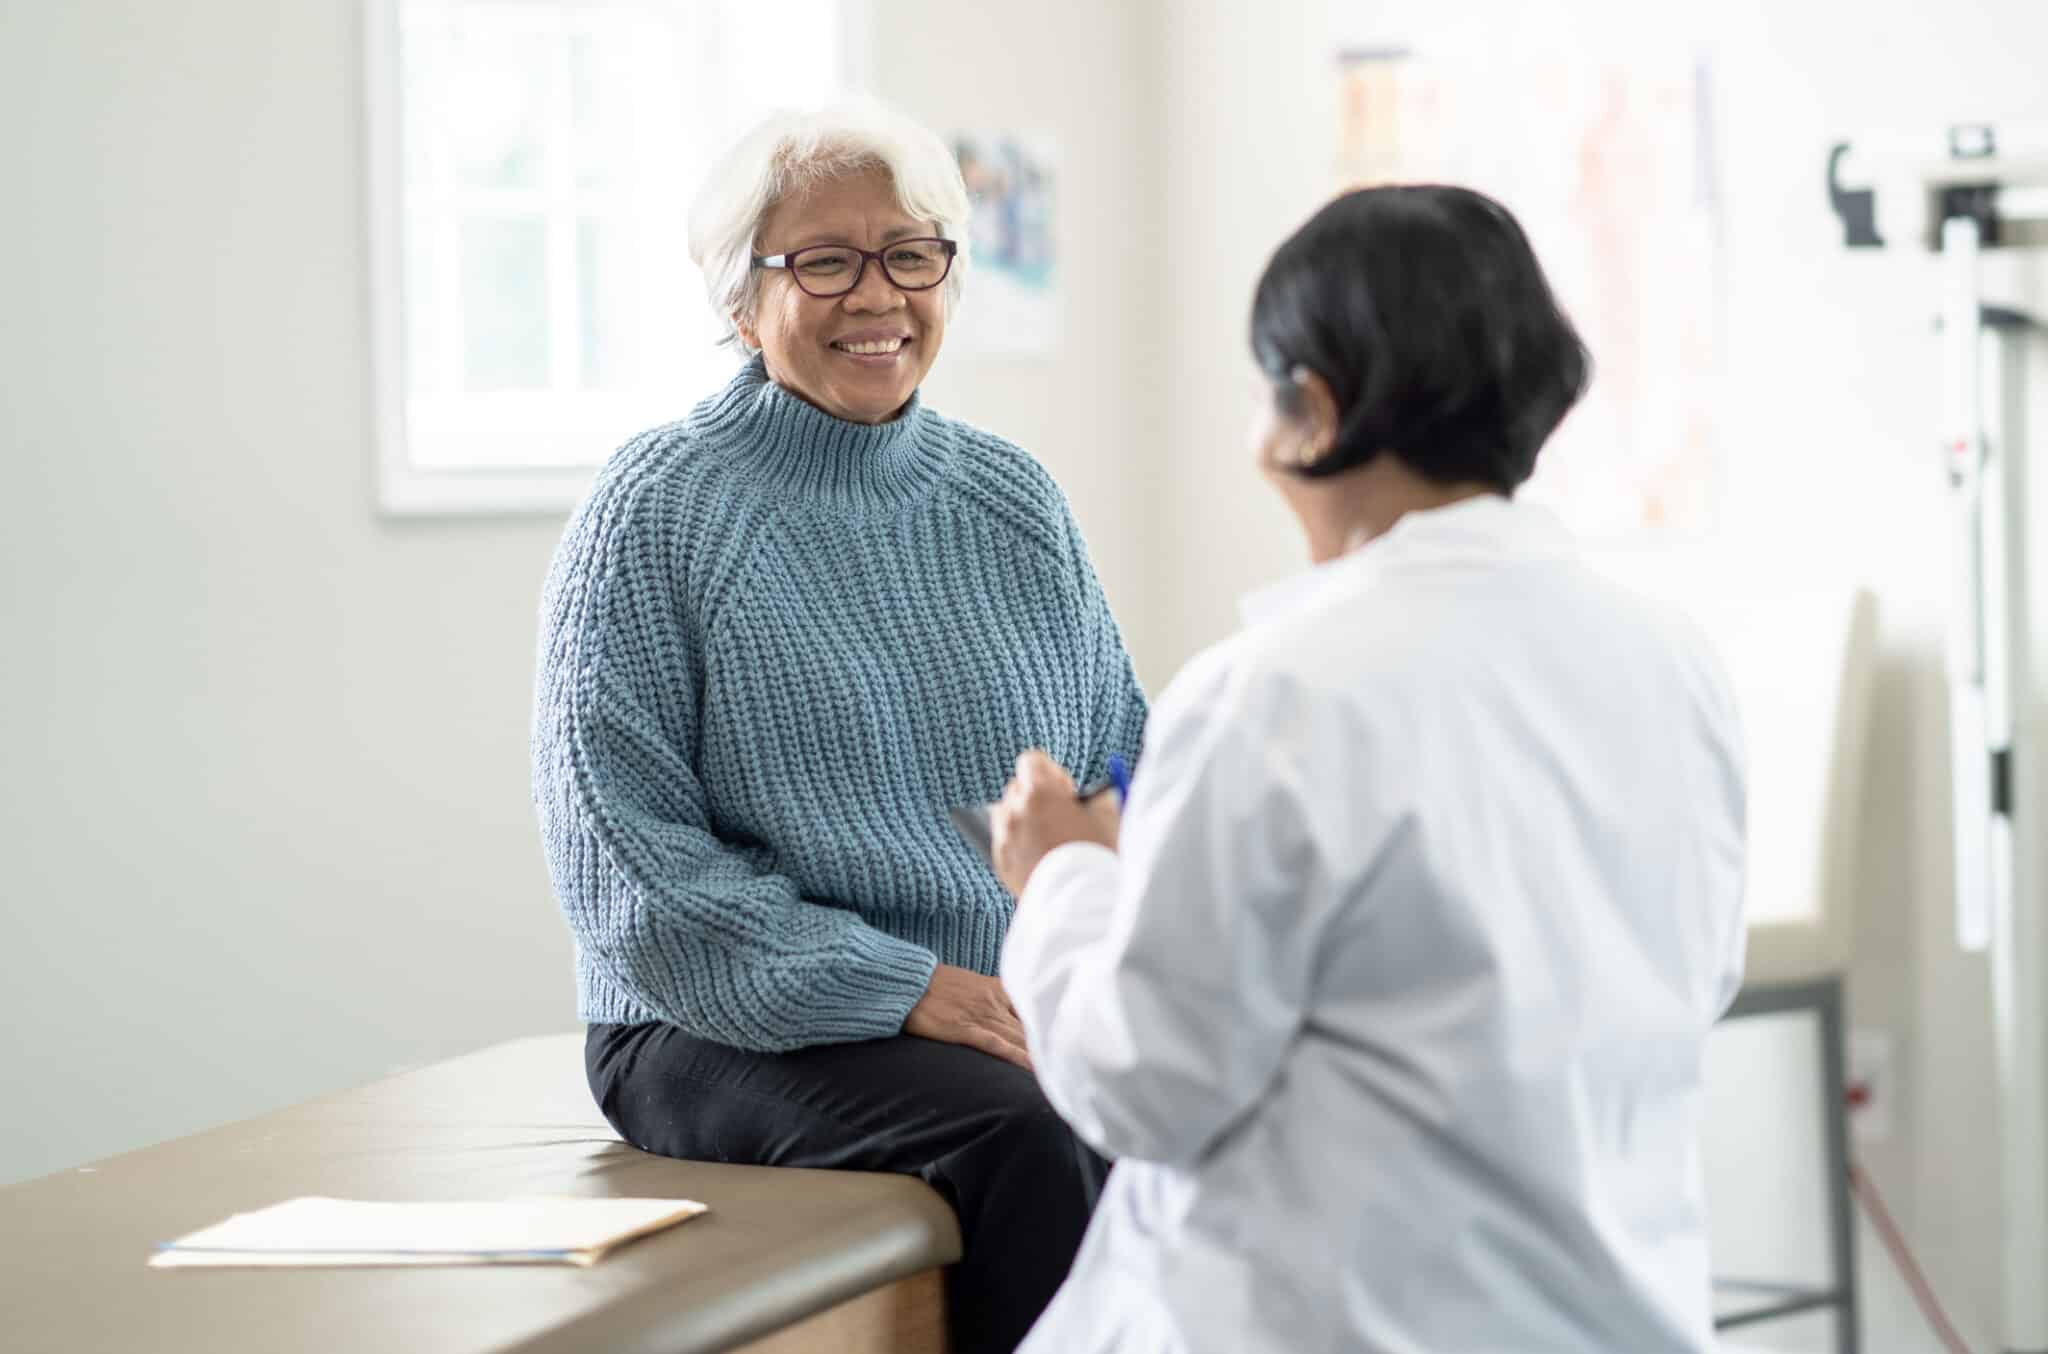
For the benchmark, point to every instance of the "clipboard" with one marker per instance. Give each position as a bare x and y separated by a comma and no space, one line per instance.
972,823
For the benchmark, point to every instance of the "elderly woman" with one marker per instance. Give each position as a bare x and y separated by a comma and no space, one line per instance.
1391,994
784,636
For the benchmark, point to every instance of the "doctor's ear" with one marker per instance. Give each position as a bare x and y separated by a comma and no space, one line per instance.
1308,400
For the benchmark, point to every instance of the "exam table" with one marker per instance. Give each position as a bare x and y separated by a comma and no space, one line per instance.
786,1262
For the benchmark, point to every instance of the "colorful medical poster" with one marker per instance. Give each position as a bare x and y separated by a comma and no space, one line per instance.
1609,164
1011,305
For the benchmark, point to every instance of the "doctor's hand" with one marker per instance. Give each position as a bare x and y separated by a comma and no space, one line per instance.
1039,813
964,1007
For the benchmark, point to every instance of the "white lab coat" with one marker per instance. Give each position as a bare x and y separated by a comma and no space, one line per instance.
1392,1008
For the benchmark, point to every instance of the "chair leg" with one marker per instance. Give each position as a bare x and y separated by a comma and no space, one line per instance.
1835,1122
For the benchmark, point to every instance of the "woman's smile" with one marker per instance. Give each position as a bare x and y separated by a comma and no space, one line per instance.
872,348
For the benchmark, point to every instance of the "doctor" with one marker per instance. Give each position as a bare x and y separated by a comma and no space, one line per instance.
1389,991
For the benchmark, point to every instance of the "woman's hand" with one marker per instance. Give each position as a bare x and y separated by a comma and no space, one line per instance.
1039,812
963,1007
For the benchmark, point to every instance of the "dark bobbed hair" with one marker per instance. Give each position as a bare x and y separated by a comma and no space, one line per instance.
1425,311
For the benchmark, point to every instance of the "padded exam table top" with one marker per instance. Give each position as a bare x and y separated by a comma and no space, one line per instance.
512,1120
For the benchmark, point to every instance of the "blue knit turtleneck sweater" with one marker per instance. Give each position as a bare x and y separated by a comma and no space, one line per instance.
776,648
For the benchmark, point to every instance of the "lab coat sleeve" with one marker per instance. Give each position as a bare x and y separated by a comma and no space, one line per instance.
1160,989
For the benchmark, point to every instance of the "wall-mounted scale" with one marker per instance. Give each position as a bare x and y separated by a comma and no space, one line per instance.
1961,192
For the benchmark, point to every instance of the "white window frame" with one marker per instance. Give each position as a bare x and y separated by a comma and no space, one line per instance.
404,486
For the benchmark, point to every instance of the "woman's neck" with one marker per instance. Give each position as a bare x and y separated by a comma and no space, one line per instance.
1350,511
810,456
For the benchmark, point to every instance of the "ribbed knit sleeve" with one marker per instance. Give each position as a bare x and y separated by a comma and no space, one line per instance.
694,928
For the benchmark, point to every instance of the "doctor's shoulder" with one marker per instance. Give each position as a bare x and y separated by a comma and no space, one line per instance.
1688,645
1704,676
1272,676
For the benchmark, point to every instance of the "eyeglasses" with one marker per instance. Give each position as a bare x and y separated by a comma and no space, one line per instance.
836,269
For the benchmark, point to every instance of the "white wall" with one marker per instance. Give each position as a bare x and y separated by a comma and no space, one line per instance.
264,814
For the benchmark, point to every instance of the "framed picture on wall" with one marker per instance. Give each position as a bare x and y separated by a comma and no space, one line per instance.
1012,179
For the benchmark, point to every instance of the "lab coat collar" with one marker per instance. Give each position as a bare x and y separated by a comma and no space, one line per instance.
1488,527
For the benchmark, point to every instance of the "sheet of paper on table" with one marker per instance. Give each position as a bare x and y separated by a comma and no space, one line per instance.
327,1232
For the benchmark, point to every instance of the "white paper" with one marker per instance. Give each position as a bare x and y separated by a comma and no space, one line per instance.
312,1231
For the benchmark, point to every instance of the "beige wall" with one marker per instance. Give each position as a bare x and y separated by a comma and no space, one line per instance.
1249,146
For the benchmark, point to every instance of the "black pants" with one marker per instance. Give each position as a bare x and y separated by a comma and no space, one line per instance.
975,1128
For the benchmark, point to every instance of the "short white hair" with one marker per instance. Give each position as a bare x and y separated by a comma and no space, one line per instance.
791,151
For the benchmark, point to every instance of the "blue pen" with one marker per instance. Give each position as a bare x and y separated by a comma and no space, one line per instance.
1120,776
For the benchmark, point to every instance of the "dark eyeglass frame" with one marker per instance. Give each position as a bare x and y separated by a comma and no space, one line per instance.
950,248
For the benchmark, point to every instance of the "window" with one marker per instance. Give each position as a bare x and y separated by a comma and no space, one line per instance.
531,164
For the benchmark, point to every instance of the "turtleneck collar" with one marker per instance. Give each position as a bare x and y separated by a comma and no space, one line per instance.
814,456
